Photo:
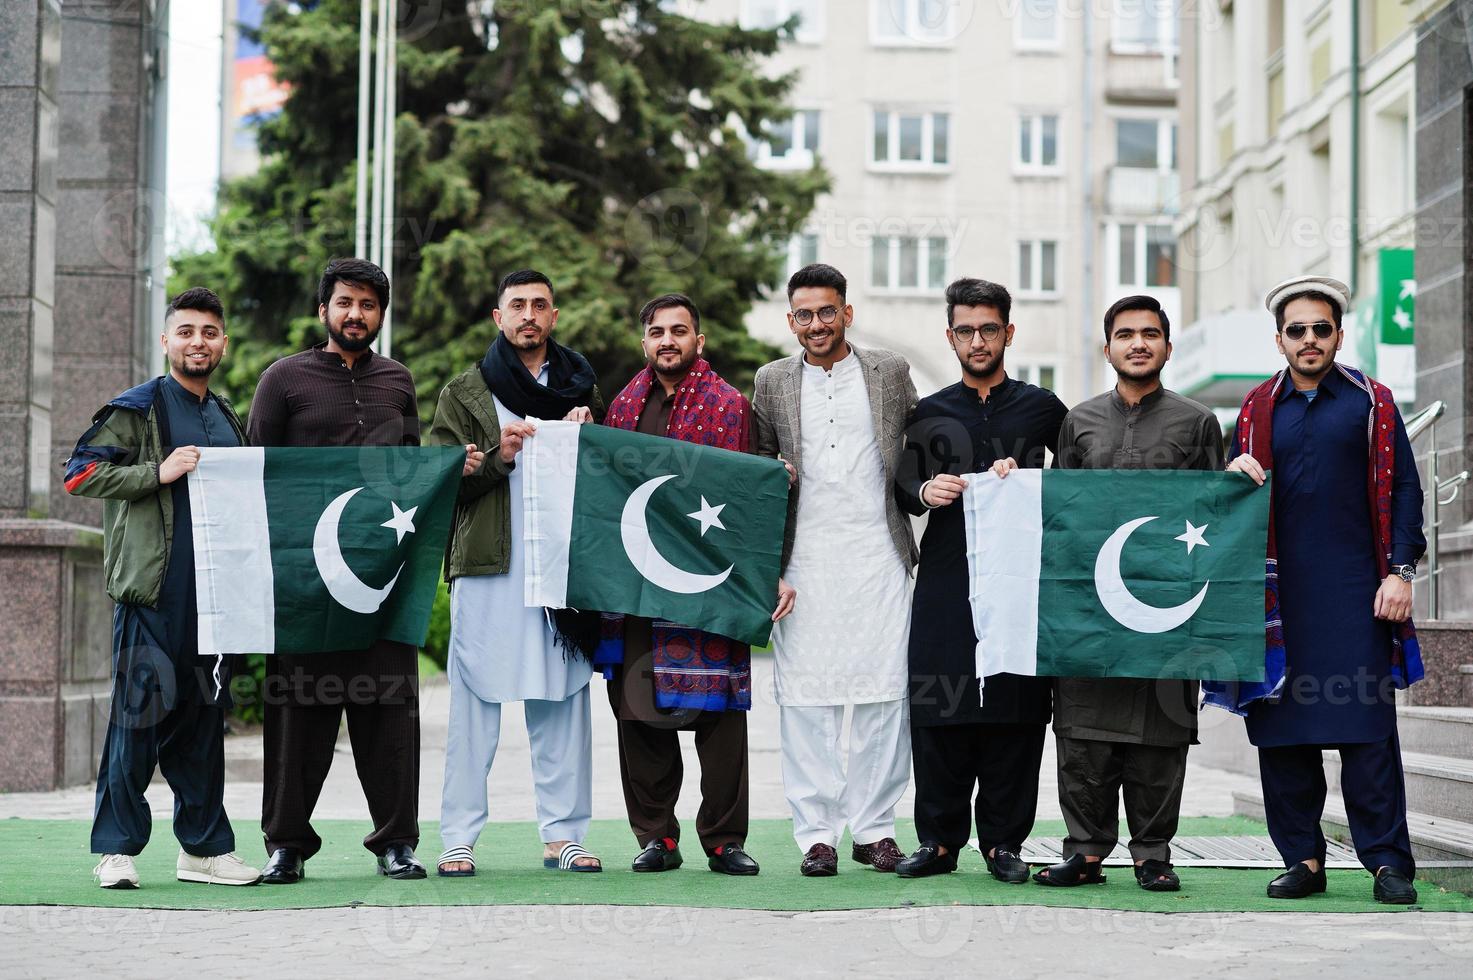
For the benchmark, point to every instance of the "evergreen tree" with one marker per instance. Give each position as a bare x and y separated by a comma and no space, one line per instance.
600,141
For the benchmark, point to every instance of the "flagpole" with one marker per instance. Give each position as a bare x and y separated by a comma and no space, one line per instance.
365,49
390,146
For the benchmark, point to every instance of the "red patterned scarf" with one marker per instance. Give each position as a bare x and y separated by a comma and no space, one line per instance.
692,668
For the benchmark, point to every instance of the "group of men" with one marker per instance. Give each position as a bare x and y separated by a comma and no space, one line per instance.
852,635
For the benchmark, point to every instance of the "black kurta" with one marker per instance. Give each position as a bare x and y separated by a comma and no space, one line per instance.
955,432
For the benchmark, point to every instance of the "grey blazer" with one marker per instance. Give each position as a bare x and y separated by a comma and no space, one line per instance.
892,397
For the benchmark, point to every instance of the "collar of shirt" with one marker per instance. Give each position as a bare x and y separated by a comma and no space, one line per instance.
998,395
1146,403
365,358
172,385
849,363
1330,384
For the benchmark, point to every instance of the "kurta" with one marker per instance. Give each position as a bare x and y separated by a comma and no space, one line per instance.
1163,432
1337,685
955,432
844,641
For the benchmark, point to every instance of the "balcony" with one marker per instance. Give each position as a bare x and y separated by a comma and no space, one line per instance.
1142,191
1141,74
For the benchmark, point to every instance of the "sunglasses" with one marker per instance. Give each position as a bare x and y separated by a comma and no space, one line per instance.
1323,330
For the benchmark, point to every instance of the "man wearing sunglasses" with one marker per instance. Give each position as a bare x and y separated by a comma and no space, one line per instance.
836,413
1345,533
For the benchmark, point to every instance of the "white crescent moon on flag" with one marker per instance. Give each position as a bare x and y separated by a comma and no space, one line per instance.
342,584
634,529
1118,600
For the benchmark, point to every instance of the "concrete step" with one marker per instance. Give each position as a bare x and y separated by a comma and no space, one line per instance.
1437,785
1436,730
1443,847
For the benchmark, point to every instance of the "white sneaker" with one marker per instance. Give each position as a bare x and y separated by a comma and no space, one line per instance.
116,871
224,869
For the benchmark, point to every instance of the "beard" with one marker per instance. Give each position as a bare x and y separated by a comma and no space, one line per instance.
192,369
1326,361
681,367
1149,371
984,369
352,344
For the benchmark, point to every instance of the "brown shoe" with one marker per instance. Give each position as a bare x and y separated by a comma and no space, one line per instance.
882,855
821,861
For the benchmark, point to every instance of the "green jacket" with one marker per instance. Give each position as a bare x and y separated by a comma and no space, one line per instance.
117,459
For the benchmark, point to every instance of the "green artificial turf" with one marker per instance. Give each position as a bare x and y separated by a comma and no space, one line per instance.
48,864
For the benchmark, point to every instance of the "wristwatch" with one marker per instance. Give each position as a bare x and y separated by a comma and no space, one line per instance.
1405,572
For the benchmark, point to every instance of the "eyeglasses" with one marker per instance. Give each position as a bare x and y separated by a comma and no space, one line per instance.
825,314
989,332
1323,329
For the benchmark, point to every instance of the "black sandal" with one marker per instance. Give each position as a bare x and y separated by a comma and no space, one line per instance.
1157,876
1075,871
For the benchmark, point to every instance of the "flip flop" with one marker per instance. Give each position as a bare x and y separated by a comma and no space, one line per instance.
571,852
1151,873
1075,871
461,852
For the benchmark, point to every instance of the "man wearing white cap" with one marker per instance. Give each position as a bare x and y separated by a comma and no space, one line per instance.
1345,533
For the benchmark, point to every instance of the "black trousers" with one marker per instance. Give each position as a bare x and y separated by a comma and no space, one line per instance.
1374,789
1092,775
299,744
999,762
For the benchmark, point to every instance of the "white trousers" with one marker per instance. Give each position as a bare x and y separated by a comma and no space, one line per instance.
823,796
561,733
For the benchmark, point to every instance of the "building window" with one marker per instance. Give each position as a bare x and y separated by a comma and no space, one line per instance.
1146,256
1143,26
912,21
802,251
1148,144
908,264
769,14
1037,144
1038,268
1036,24
911,139
1034,374
789,144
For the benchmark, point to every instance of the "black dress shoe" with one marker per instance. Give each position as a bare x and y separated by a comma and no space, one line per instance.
730,859
1007,867
286,867
1297,882
821,861
926,861
663,854
1394,888
398,861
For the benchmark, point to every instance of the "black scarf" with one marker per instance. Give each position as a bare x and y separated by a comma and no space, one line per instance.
570,384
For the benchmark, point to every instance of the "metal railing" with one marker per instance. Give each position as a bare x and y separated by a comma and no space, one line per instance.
1435,487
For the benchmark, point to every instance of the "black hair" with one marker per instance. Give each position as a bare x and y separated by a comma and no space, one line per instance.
818,276
1138,302
669,301
354,272
197,298
522,277
1326,298
978,292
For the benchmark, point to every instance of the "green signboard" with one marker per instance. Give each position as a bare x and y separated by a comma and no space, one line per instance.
1396,298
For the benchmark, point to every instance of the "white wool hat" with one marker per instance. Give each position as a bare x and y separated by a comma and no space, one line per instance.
1289,288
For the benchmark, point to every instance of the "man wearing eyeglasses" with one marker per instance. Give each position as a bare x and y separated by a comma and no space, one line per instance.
836,414
1345,533
962,746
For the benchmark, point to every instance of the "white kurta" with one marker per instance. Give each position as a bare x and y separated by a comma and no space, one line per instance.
499,647
845,640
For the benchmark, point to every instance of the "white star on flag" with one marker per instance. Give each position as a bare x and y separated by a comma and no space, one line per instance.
1402,318
708,516
402,522
1193,537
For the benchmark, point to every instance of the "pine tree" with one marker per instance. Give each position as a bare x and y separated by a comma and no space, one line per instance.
603,142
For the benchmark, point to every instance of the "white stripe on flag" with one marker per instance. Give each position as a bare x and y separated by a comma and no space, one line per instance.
232,553
550,473
1005,558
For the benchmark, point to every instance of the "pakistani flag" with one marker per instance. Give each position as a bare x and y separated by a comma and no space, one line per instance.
1117,573
310,550
627,523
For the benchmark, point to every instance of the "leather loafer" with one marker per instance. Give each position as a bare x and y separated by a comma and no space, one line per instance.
821,861
286,867
883,855
1394,888
1007,867
398,861
1297,882
926,861
662,854
730,859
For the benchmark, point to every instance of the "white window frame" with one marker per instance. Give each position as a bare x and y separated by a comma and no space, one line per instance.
1167,45
1164,126
923,265
1022,43
1035,144
910,35
798,157
1028,290
927,162
795,251
1032,373
1142,234
811,29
